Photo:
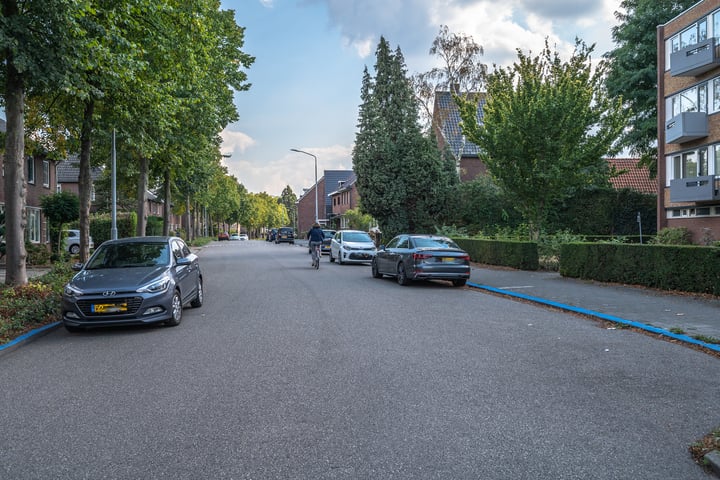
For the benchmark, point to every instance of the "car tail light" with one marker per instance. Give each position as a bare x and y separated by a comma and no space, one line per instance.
465,257
421,256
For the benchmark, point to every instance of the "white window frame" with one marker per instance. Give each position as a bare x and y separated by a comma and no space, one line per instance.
31,170
33,226
46,173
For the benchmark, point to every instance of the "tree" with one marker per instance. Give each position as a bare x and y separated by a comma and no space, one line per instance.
461,72
60,208
632,74
289,200
547,126
403,179
36,48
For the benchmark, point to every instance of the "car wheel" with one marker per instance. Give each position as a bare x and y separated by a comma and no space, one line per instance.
198,300
339,259
75,249
401,275
459,282
375,272
73,328
176,311
332,259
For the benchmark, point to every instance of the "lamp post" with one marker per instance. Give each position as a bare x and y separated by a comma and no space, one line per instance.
316,184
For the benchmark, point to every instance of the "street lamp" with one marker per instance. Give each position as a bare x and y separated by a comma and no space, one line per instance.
316,184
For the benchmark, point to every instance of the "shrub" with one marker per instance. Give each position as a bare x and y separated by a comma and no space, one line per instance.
674,236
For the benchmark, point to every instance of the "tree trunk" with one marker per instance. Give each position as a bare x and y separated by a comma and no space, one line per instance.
85,179
14,171
188,222
141,191
166,205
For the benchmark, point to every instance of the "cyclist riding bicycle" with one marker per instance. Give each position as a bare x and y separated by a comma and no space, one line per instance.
316,237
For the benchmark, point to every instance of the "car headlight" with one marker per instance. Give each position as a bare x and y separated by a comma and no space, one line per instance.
71,291
159,285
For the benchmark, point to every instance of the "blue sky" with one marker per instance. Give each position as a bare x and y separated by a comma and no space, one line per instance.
310,55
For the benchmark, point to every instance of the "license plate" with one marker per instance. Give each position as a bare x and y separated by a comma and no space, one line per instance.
448,259
109,307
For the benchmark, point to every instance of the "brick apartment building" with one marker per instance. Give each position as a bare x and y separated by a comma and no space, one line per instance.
689,121
329,182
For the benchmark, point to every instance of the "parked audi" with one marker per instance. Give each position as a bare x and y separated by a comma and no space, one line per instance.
133,281
422,257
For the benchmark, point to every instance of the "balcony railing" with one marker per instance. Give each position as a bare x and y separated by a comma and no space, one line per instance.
694,60
695,189
686,127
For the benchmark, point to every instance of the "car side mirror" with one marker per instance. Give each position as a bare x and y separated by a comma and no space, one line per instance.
76,267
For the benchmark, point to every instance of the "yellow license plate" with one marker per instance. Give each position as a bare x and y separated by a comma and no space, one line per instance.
109,307
448,259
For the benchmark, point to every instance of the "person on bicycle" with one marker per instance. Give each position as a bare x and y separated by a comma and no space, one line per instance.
316,237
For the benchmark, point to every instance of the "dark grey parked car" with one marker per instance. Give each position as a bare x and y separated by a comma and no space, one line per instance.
133,281
422,257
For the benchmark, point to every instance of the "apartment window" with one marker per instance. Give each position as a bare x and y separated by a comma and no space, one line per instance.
691,100
46,174
33,225
690,164
31,170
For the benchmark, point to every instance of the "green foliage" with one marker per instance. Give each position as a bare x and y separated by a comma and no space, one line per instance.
358,220
101,227
547,126
604,211
515,254
37,254
632,76
482,206
29,306
403,179
657,266
154,226
674,236
59,208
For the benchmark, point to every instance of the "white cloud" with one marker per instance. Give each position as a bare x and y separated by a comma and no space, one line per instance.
235,142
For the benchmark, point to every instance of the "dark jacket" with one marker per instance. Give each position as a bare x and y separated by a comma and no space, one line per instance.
316,234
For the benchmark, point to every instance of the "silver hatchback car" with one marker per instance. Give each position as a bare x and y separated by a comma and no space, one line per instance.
133,281
352,246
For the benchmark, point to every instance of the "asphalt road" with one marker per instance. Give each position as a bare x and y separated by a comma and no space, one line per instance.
291,373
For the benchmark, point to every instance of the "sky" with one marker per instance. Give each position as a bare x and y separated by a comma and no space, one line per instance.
310,56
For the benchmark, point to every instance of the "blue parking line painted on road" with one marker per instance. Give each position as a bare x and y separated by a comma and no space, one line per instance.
611,318
28,335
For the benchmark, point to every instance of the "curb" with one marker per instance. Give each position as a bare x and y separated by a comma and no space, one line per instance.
713,459
28,337
631,323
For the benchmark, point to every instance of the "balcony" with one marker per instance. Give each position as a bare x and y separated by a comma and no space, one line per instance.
695,189
686,127
694,60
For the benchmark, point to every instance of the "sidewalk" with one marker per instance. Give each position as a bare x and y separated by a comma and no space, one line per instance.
687,315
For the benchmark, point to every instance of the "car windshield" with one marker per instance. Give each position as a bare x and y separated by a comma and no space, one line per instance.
126,255
357,237
438,242
328,233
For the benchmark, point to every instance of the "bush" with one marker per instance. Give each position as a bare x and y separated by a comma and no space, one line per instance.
674,236
37,254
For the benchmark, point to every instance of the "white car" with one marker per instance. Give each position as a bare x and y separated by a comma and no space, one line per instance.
352,246
243,236
72,241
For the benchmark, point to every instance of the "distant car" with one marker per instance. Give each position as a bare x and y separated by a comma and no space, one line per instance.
352,246
223,236
133,281
422,257
271,235
72,241
285,234
325,247
234,236
243,236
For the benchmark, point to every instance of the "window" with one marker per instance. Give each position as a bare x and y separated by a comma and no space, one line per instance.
33,225
46,174
31,170
691,100
690,164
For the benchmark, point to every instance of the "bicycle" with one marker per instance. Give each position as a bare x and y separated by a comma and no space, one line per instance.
316,256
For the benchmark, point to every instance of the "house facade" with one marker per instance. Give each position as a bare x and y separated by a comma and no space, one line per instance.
343,199
689,122
41,180
306,203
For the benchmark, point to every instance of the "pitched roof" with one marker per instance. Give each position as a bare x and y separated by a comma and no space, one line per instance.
68,171
633,176
447,116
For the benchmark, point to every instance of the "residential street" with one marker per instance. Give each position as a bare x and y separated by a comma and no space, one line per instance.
291,373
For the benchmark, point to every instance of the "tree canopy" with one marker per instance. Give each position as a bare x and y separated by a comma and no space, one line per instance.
403,179
547,126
